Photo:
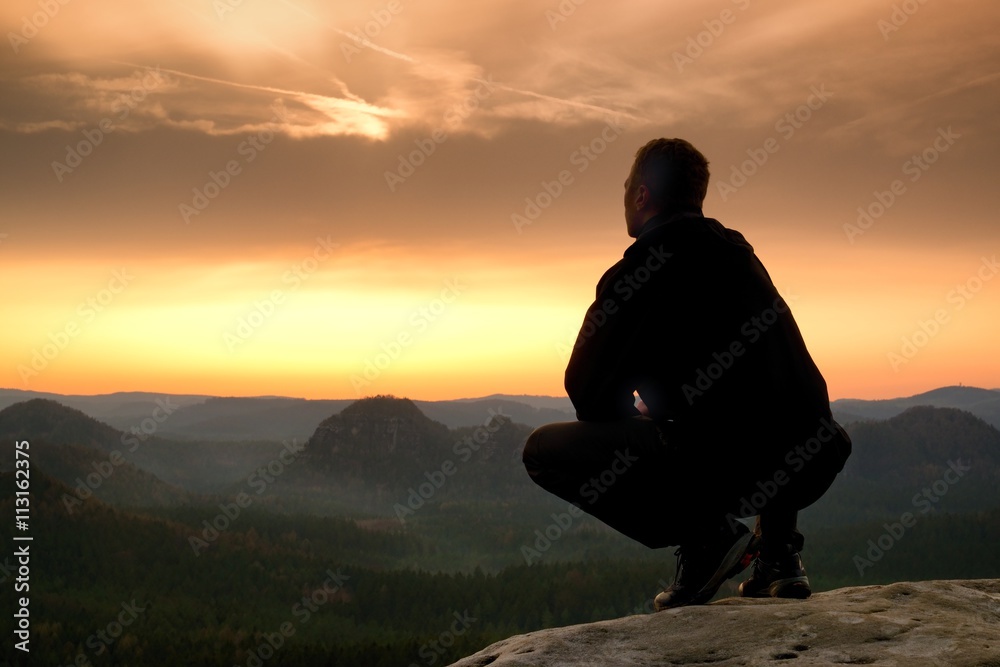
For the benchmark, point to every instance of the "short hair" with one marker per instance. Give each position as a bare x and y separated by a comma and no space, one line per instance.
675,172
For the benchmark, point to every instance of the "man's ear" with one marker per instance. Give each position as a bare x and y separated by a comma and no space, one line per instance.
641,197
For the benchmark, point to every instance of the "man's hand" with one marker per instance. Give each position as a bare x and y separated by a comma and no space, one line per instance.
641,407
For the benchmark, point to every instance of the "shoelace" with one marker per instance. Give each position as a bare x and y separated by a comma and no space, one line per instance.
679,554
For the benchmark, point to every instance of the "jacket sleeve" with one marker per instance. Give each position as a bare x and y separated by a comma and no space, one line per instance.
602,372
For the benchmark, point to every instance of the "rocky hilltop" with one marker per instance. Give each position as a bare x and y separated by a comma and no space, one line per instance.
953,623
365,438
388,440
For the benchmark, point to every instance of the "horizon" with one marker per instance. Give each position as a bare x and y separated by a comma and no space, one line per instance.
295,199
440,400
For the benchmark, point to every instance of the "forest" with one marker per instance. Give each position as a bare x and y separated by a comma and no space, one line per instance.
318,569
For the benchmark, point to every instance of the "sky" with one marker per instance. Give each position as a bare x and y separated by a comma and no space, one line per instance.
333,200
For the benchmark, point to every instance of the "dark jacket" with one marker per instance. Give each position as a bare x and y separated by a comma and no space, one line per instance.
690,319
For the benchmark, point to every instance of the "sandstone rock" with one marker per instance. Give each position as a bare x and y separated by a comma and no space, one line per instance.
905,624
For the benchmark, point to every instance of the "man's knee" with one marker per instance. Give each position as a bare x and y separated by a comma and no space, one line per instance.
550,446
534,447
528,452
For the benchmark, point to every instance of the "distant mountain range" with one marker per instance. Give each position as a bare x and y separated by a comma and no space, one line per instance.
362,458
984,403
218,536
117,466
201,417
371,454
189,416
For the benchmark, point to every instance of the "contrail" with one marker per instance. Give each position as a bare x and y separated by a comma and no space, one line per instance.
358,104
358,40
375,47
907,107
402,56
582,105
353,105
364,41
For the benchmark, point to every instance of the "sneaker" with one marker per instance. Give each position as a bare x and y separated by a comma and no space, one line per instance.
782,577
702,568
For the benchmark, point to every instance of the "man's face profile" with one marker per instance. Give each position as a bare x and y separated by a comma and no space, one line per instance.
633,221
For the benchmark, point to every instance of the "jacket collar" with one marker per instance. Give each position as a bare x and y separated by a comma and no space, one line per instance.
661,219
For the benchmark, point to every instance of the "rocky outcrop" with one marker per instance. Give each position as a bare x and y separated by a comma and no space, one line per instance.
953,623
368,439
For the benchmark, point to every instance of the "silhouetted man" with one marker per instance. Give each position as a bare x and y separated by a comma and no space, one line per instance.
732,418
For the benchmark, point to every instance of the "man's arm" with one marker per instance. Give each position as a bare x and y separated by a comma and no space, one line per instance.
601,374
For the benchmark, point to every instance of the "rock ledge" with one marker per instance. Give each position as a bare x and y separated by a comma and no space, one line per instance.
954,623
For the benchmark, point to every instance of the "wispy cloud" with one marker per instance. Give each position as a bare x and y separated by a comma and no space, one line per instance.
223,72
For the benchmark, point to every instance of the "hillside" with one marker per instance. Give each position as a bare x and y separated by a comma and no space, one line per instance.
285,418
120,409
216,418
84,454
49,421
72,445
984,403
431,522
383,455
110,478
923,461
376,453
920,441
279,418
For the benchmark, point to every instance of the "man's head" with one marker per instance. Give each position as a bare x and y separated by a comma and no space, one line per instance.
668,175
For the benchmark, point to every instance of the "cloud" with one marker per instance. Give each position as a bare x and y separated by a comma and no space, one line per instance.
380,70
220,71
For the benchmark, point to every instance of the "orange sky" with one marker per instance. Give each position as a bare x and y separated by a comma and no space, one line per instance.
303,199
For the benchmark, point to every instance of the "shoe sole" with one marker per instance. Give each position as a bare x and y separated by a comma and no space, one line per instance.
796,588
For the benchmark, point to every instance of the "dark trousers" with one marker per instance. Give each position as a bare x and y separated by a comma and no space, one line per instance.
628,474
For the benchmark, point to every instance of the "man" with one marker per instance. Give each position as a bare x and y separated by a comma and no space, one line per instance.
697,400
